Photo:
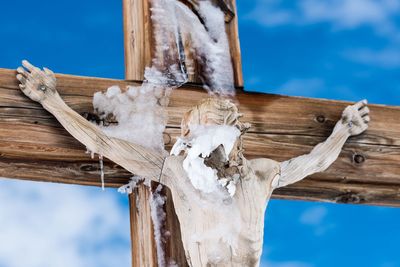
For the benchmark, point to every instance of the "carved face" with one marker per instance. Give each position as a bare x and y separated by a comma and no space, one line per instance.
210,136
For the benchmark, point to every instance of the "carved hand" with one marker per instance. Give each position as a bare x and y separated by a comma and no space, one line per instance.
35,83
356,117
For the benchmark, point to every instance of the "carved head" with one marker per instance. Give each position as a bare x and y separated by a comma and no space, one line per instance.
212,111
211,136
216,112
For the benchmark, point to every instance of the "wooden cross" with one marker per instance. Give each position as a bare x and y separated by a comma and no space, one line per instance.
33,146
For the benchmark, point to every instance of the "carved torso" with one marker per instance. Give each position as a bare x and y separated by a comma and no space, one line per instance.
218,230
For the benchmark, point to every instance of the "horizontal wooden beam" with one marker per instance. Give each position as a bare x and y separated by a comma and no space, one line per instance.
34,146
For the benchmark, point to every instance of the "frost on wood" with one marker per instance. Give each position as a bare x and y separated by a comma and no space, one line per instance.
175,24
101,171
169,68
210,45
157,201
128,188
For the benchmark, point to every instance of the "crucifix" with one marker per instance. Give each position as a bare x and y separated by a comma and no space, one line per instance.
353,180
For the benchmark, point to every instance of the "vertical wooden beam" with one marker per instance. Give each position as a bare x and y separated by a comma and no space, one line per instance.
142,235
137,38
232,29
138,55
174,250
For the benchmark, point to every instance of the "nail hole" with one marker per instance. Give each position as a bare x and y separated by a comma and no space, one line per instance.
321,118
358,159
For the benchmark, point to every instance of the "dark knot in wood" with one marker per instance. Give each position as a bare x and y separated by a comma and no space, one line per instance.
350,198
89,168
321,118
358,159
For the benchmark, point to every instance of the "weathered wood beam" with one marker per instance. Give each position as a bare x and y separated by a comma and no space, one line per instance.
34,146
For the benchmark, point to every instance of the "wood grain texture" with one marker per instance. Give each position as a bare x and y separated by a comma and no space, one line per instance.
144,251
140,45
34,146
138,39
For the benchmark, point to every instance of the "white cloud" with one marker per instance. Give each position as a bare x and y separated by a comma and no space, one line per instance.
45,225
301,87
313,216
389,264
385,58
349,13
341,14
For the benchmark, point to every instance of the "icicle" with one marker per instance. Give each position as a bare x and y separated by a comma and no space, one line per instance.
101,171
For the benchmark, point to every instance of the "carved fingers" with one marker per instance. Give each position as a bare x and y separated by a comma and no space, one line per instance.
356,117
35,83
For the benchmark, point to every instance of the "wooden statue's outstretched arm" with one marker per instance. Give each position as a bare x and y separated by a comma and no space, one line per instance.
40,86
354,121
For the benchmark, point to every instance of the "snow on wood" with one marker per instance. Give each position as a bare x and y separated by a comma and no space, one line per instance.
140,46
158,216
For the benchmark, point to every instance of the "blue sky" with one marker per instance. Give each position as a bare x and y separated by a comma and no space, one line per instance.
336,49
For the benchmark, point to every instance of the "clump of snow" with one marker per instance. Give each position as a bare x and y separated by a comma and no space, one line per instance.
128,188
147,182
90,152
230,185
204,139
140,117
158,216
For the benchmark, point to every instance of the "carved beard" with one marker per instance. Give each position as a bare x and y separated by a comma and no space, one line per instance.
217,161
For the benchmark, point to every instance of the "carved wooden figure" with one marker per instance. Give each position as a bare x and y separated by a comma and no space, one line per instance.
219,228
